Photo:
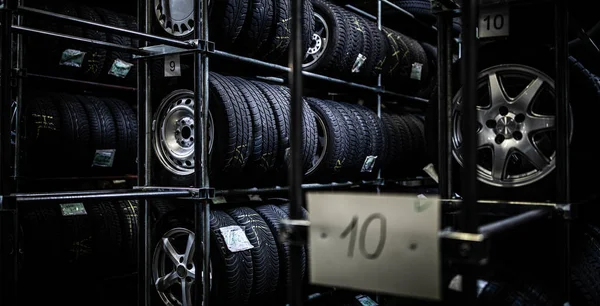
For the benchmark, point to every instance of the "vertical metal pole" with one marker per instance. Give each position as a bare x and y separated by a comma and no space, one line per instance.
144,161
469,222
379,78
202,208
296,173
19,106
444,25
563,131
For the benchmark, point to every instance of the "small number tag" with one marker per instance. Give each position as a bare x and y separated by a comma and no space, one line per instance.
394,238
104,158
72,58
72,209
120,68
494,22
369,164
235,238
172,66
415,72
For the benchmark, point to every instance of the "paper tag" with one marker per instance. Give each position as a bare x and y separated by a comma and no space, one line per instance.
394,238
235,238
430,170
72,58
365,300
172,65
494,22
73,209
104,158
254,198
369,164
415,72
219,200
360,60
120,68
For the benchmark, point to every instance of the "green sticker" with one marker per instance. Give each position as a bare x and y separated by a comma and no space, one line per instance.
72,58
72,209
120,68
369,164
104,158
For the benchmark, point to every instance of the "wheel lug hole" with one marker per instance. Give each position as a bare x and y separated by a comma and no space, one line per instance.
499,139
190,266
188,279
503,110
520,118
180,259
490,124
517,135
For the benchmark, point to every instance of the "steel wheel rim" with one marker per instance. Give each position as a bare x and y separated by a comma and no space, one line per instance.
174,133
319,42
176,17
323,141
509,126
174,271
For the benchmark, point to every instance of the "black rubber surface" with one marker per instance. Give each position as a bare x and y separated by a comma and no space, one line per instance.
97,56
227,21
257,27
279,37
43,130
265,259
113,19
126,128
102,125
334,56
354,137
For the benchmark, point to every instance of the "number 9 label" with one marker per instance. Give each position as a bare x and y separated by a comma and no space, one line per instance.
172,65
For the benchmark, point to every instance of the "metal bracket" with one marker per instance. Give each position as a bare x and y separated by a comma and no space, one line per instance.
196,45
465,248
1,198
195,193
439,6
294,231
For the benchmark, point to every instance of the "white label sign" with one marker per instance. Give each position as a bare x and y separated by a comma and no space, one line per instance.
386,243
235,238
172,66
494,22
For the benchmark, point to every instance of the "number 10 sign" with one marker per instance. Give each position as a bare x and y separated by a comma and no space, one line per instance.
381,243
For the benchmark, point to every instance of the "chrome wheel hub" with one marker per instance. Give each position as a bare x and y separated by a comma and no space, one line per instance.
323,141
516,126
173,270
319,42
173,132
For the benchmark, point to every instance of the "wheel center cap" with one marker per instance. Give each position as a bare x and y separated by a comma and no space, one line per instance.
506,125
181,271
184,132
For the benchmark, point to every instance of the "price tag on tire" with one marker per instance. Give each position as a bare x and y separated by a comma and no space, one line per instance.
494,22
382,243
172,65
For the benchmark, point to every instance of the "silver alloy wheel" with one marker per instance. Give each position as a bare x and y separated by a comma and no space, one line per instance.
511,126
174,129
318,43
173,269
175,16
321,147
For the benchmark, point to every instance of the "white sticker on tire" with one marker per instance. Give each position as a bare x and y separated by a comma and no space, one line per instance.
235,238
104,158
72,209
72,58
415,73
120,68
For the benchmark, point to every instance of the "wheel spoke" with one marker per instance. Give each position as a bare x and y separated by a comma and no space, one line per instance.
165,282
524,99
188,256
500,162
539,123
533,155
192,272
170,251
485,137
482,115
186,293
496,90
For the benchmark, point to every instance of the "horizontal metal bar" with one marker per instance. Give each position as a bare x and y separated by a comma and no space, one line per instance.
361,12
507,224
74,178
107,28
283,188
407,13
66,193
102,85
522,203
114,196
103,44
316,76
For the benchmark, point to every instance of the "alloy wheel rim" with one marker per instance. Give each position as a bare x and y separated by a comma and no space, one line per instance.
173,269
176,17
516,126
318,43
322,143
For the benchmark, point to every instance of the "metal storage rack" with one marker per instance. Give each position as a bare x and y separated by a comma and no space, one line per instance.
465,246
201,48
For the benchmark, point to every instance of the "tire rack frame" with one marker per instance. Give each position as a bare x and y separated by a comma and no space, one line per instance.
13,73
467,246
